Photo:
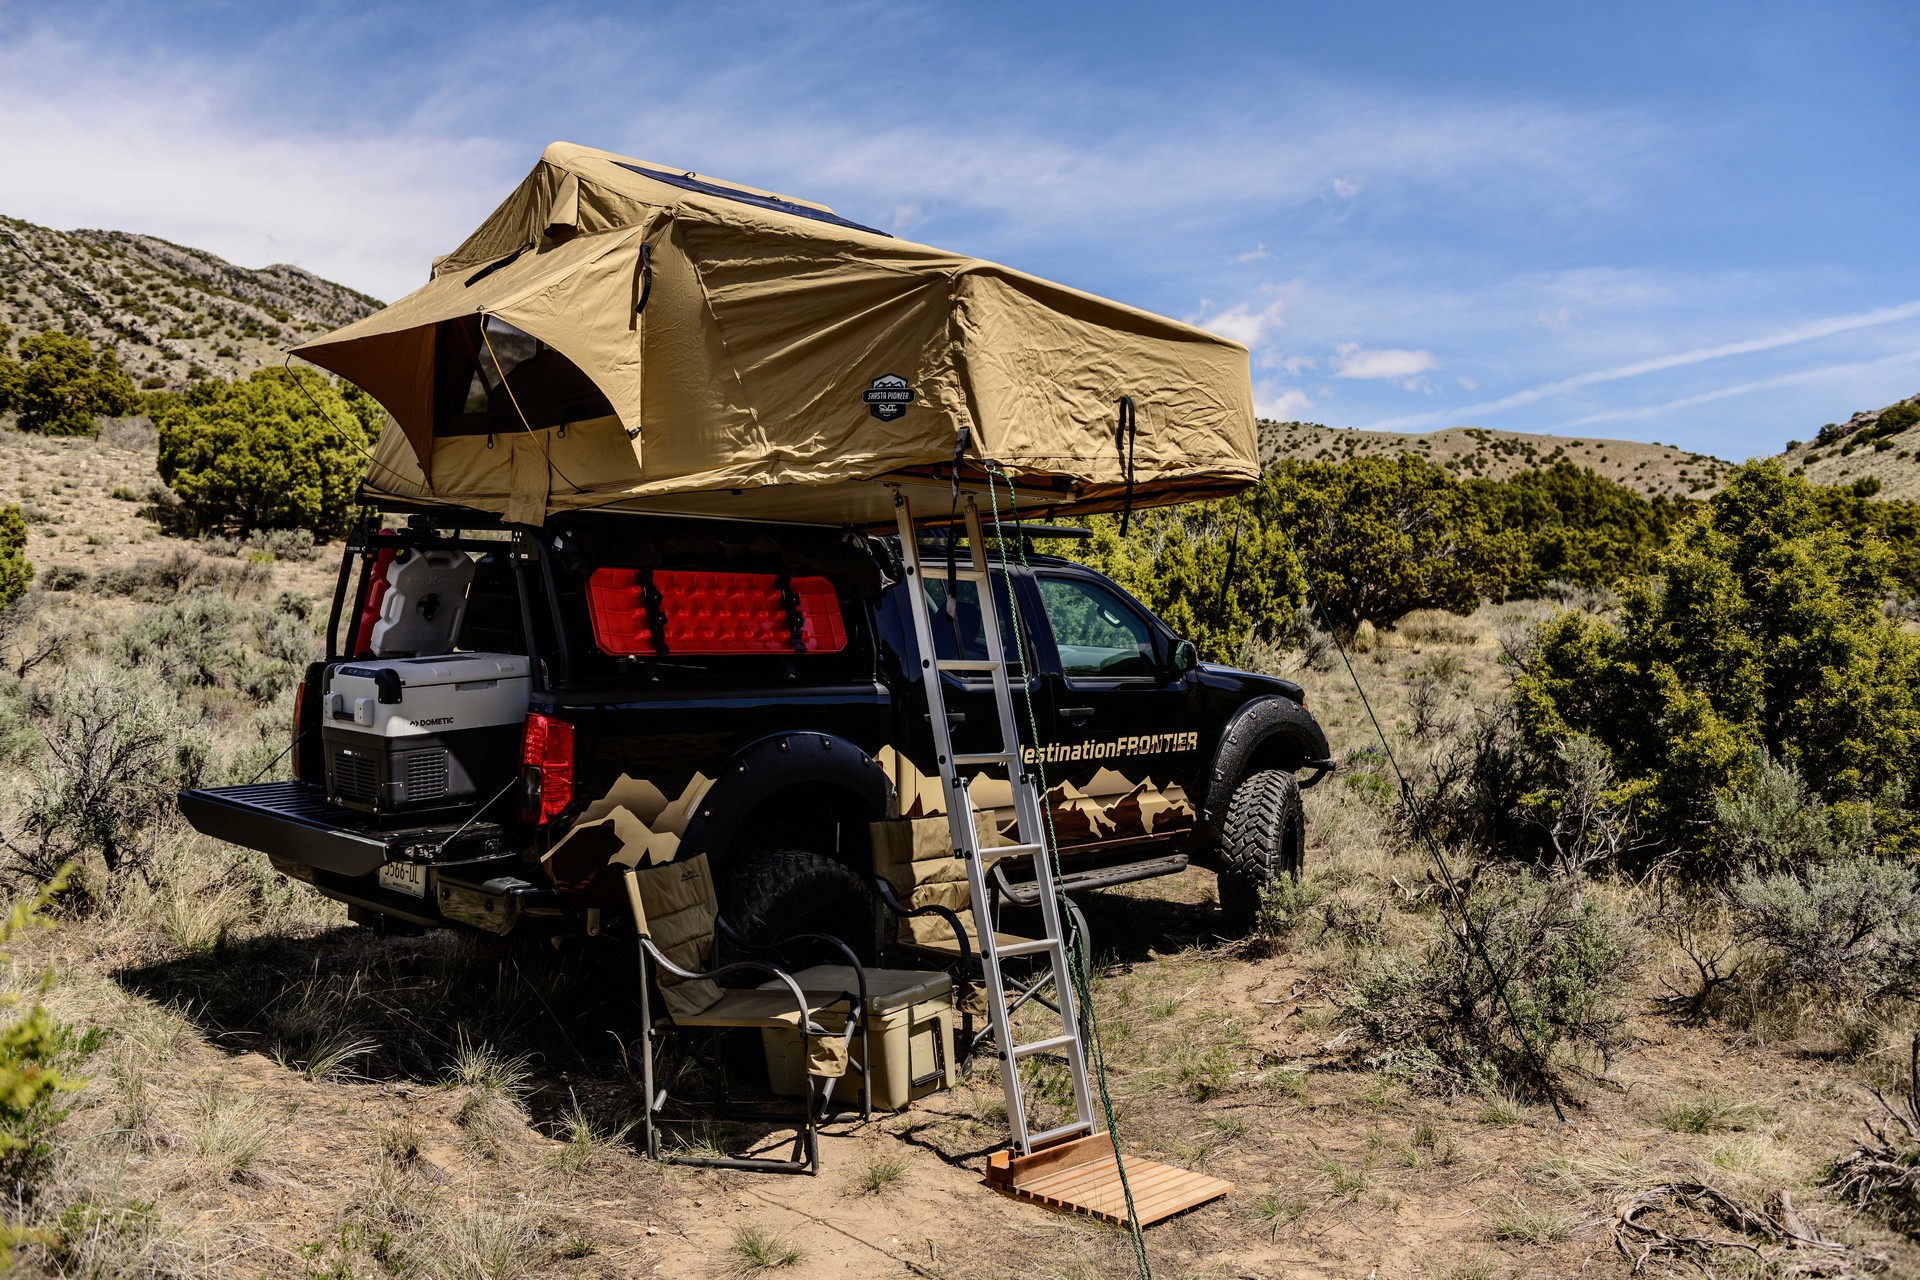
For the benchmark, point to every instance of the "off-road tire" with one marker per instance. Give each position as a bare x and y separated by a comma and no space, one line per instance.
772,895
1262,839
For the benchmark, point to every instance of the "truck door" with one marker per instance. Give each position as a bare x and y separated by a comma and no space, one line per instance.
1122,744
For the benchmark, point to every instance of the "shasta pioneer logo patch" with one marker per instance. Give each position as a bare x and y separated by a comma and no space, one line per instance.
888,397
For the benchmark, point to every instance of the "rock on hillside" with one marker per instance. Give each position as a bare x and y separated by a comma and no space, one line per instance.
1873,445
168,310
1470,452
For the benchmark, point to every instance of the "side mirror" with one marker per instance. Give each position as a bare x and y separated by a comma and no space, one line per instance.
1185,656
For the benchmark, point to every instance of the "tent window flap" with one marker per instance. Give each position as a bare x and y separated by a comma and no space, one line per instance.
485,379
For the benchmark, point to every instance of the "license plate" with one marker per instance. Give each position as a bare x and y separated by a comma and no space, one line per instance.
409,878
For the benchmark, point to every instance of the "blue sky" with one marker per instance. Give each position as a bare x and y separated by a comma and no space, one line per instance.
1689,223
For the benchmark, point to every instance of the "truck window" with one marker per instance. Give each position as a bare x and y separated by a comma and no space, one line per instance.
1097,633
963,635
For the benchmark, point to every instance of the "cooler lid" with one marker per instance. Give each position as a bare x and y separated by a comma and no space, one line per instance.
887,989
451,668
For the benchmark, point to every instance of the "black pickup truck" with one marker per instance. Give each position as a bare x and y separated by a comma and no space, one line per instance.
507,714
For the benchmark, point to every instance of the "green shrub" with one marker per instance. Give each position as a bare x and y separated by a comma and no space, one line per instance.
64,577
115,750
63,385
1774,822
1219,573
15,572
34,1051
1763,633
1285,906
1382,537
284,544
1439,1020
1581,530
282,450
1847,928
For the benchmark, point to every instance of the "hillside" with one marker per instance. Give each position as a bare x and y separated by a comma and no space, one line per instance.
1652,469
169,310
1877,444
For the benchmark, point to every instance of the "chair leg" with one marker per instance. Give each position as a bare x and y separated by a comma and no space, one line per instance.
809,1136
806,1151
866,1067
649,1101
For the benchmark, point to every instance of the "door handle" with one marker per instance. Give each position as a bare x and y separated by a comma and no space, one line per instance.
1075,713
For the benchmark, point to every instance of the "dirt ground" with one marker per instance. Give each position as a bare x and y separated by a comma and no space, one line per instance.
272,1092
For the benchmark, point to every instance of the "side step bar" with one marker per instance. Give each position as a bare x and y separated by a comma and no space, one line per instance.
1024,893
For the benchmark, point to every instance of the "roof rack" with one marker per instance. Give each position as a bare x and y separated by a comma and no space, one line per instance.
1025,529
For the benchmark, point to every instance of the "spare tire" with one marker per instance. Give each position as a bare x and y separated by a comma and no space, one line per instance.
775,894
1262,839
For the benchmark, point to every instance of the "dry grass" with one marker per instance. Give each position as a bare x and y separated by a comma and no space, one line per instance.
756,1249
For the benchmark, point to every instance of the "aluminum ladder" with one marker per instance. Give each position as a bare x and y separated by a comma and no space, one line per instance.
956,772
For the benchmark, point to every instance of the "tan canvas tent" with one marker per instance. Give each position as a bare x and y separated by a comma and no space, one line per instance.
619,334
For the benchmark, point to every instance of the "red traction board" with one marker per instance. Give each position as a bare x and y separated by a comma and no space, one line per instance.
1081,1177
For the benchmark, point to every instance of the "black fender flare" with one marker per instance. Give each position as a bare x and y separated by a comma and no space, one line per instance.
1253,726
776,763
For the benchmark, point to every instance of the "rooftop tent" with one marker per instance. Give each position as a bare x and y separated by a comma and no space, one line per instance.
618,334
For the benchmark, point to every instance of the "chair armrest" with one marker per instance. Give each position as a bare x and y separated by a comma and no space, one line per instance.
793,988
846,952
901,909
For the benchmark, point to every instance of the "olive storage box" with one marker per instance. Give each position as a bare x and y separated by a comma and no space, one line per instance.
910,1023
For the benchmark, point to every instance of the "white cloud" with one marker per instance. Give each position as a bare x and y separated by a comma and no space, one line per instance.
1216,161
163,150
1824,373
1254,254
207,150
1467,382
1558,320
1807,332
905,217
1241,323
1282,404
1387,364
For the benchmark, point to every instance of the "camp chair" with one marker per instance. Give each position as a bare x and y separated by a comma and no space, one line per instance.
924,887
675,915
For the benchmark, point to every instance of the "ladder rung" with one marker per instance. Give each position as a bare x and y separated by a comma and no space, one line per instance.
967,664
1028,947
1043,1046
1000,851
1048,1135
983,757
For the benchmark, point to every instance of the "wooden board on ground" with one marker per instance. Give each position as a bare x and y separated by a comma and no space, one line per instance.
1081,1177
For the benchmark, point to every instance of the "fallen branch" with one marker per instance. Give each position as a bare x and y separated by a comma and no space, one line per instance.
1640,1240
1883,1173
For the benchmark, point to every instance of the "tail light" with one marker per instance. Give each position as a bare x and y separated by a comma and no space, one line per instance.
546,768
299,725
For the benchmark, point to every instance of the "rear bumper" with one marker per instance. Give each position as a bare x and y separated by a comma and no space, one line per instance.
293,822
470,879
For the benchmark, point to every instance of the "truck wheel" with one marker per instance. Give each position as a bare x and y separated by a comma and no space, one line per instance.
773,895
1262,839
